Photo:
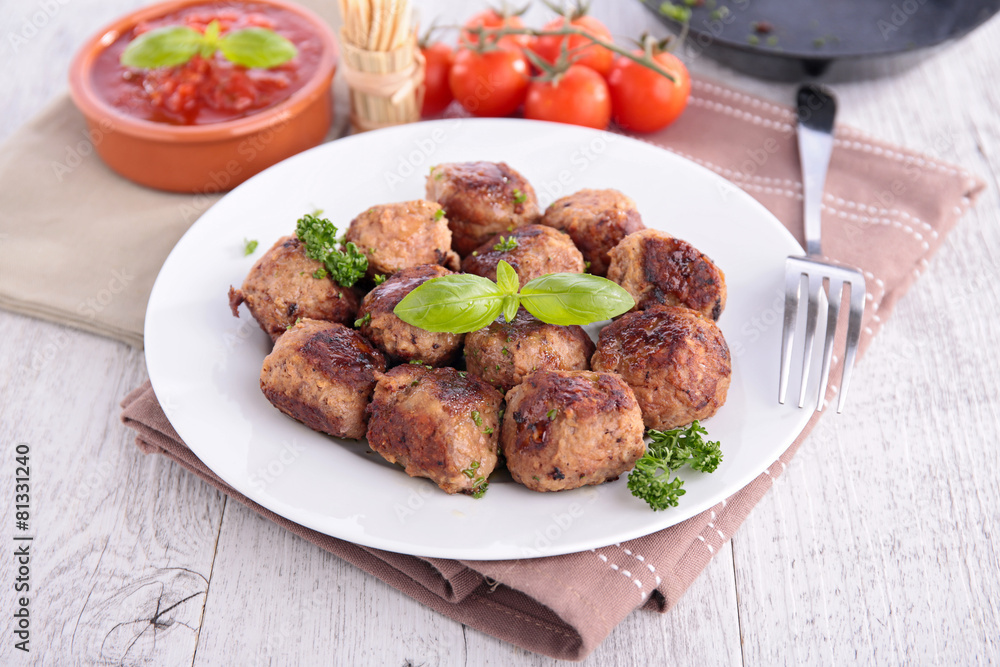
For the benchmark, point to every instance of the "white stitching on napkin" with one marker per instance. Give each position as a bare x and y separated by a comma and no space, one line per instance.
625,573
719,107
780,112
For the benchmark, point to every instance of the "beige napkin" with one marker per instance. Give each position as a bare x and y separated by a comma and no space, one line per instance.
886,211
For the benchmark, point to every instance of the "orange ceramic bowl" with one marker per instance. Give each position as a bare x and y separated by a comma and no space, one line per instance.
203,158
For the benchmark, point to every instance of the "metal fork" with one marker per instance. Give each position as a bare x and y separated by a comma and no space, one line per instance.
816,109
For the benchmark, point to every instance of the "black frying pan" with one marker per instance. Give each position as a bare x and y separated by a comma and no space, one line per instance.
792,39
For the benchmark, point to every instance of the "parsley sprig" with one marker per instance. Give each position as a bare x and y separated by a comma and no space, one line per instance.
652,478
346,266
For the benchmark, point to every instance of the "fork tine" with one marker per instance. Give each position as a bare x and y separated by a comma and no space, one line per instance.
793,286
812,315
858,291
833,314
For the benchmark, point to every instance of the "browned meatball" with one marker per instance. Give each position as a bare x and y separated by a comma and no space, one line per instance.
437,423
675,360
503,354
657,268
481,199
281,288
396,236
539,250
597,221
567,429
400,341
323,374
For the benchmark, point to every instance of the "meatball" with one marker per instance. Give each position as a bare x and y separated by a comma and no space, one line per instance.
675,359
282,288
503,354
597,221
323,374
400,341
539,250
438,423
656,268
396,236
567,429
481,199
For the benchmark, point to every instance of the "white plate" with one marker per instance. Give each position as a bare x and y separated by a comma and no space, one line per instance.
204,364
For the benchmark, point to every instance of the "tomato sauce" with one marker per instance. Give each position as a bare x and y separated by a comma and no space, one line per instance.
213,90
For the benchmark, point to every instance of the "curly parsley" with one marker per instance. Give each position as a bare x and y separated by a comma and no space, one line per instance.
652,478
347,265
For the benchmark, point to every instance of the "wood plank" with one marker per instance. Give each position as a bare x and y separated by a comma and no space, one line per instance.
294,602
124,543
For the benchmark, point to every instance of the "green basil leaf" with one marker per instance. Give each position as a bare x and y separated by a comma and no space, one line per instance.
511,303
256,47
457,304
210,40
163,47
507,279
574,298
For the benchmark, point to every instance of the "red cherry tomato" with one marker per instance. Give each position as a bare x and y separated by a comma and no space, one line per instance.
595,57
645,101
579,97
437,90
493,83
491,19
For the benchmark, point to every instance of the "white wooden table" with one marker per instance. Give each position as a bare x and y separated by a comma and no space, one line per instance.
877,546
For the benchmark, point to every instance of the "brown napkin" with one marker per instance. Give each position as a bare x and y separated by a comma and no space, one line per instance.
886,211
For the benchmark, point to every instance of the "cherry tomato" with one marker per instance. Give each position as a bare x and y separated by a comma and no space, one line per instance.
493,83
437,90
645,101
579,97
595,57
491,19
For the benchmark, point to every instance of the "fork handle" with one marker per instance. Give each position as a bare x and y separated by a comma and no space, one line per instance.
815,148
816,108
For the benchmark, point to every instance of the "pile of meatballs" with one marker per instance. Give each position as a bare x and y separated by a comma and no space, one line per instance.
561,412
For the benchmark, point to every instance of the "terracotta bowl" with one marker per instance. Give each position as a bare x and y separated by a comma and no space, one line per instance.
203,158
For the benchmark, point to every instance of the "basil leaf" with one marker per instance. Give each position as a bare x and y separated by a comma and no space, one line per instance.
510,305
210,40
163,47
574,298
507,279
457,304
256,47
